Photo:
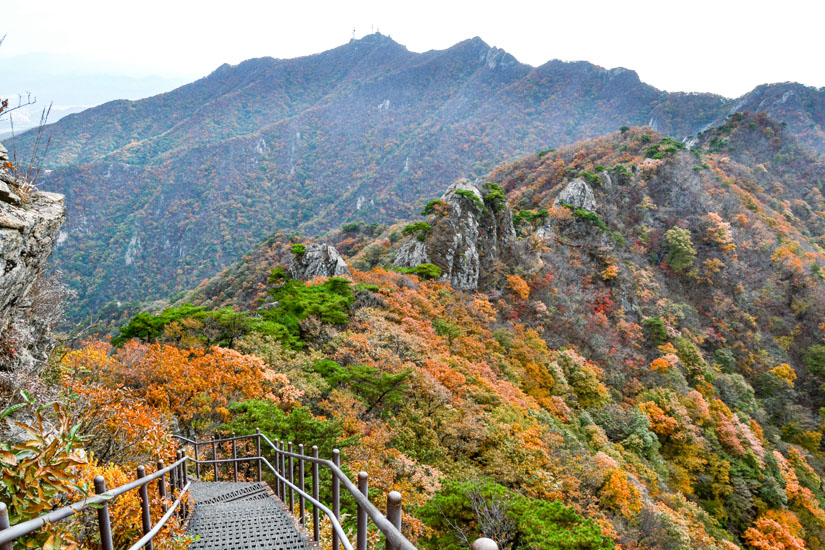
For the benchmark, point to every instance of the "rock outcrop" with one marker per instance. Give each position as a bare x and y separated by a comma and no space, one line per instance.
26,238
28,229
577,194
471,239
318,260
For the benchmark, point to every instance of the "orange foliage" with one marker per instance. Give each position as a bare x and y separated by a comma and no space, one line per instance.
660,422
518,286
620,495
194,385
769,534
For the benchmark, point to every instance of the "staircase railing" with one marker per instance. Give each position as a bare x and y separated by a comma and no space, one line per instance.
287,461
178,484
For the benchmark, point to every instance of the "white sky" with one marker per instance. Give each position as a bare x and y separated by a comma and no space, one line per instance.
722,46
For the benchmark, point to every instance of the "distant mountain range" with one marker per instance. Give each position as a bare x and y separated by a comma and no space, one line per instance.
168,190
71,85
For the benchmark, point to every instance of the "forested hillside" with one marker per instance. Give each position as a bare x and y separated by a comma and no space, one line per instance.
164,192
645,370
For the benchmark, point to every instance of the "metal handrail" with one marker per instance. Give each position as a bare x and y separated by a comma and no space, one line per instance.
395,539
14,532
161,522
393,535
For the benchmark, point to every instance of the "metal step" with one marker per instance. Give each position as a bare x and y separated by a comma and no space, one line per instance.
230,516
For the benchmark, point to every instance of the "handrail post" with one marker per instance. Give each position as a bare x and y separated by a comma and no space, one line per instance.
215,458
173,482
291,478
277,468
146,519
394,515
179,480
185,477
283,472
234,459
197,462
4,524
301,505
484,544
336,497
316,523
258,449
361,532
162,487
103,521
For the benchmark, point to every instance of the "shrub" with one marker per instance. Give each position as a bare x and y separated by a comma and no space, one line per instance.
588,216
193,324
298,425
431,207
40,470
680,252
446,329
464,510
494,196
419,229
655,331
814,359
425,271
352,227
529,217
472,197
298,249
329,302
591,178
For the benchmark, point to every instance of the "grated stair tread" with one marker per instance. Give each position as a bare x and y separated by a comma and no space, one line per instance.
237,516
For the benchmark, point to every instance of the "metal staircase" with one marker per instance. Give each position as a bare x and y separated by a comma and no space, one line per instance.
271,502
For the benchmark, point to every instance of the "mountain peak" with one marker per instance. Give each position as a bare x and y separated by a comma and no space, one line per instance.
375,38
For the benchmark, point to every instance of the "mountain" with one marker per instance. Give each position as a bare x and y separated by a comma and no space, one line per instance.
166,191
618,343
71,85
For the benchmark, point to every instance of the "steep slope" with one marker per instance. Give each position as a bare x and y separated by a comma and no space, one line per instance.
652,353
166,191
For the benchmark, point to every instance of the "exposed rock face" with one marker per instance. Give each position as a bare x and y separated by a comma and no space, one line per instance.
27,233
578,194
318,260
470,239
26,237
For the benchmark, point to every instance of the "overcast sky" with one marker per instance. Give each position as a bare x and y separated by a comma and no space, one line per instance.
727,47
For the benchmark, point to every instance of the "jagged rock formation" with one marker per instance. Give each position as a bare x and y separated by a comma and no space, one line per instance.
28,230
472,237
578,195
318,260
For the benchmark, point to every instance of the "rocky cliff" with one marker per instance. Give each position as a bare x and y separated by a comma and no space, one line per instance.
30,221
471,237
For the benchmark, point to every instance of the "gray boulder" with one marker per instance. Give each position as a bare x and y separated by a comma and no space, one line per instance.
318,260
577,194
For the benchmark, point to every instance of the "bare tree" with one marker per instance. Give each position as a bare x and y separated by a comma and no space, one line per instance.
492,519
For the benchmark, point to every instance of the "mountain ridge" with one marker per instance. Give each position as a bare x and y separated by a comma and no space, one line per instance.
184,183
